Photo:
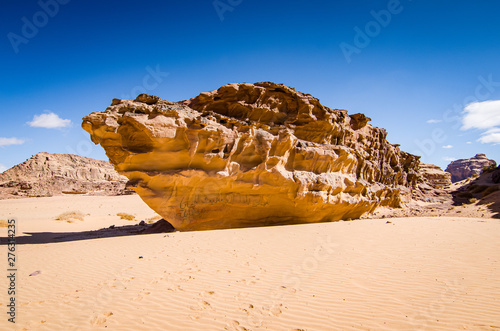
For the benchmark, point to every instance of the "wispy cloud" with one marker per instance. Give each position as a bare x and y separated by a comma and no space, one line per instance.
432,121
448,146
10,141
49,120
491,136
2,168
469,142
449,159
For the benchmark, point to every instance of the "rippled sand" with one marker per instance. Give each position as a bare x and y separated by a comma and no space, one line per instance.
423,273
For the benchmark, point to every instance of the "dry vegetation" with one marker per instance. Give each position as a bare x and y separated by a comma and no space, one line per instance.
153,219
71,216
480,191
125,216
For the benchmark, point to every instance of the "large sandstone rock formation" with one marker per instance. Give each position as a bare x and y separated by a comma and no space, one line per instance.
465,168
435,176
47,174
252,154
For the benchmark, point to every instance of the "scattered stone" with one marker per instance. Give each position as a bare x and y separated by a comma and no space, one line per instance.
161,226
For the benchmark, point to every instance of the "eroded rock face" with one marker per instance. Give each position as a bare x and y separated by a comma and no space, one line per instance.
251,155
47,174
435,176
465,168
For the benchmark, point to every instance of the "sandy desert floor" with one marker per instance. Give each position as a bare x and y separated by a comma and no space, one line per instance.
421,273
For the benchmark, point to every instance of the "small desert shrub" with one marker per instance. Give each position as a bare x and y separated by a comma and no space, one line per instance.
473,200
153,219
70,216
489,169
3,224
490,190
475,175
125,216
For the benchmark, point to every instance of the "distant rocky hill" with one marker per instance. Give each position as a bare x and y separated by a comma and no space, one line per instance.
465,168
47,174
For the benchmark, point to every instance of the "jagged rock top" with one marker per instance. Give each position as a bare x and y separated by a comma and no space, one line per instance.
251,154
465,168
46,174
45,165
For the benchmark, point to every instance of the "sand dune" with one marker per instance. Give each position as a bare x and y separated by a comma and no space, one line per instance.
411,274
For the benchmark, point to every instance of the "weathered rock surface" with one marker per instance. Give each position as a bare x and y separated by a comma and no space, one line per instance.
435,176
47,174
250,155
465,168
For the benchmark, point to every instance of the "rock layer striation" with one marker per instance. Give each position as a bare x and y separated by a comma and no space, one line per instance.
46,174
251,155
434,175
465,168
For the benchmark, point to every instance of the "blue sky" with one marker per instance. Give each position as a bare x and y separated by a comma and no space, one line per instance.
427,71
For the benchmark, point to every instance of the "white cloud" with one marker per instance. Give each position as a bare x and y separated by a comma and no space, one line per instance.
448,146
49,120
10,141
449,159
469,142
481,115
490,137
2,168
432,121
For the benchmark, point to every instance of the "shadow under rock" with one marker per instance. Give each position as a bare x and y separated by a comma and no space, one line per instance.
161,226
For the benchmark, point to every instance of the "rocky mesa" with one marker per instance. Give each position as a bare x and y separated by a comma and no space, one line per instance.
46,174
251,155
465,168
435,176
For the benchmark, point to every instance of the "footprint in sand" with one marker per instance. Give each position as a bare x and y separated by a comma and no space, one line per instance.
202,306
235,326
247,308
100,319
206,294
140,296
289,289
